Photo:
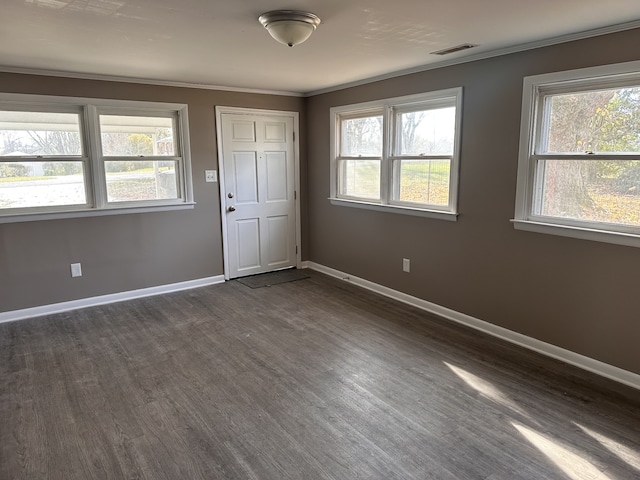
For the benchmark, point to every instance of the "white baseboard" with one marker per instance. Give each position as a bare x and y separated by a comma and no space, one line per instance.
104,299
586,363
304,264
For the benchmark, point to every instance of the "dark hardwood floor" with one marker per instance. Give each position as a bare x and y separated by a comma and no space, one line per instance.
314,379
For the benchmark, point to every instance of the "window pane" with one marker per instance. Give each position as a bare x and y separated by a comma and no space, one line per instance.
597,121
424,181
600,191
126,136
426,132
39,133
360,178
361,137
141,180
41,184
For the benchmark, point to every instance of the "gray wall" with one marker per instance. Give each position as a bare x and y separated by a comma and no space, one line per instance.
577,294
126,252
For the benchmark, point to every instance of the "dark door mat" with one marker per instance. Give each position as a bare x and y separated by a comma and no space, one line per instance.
273,278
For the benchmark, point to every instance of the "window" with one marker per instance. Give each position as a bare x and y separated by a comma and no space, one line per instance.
399,154
139,157
42,161
62,157
579,163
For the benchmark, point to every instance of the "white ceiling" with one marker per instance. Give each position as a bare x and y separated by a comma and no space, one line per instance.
221,43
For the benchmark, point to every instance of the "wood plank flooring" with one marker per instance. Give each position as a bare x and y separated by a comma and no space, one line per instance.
314,379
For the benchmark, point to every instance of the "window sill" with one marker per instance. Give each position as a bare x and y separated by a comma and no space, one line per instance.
41,216
401,210
617,238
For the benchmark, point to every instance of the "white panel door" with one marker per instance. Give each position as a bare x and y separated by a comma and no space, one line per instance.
258,194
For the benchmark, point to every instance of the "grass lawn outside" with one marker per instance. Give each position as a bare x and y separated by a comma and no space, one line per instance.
22,179
419,181
613,207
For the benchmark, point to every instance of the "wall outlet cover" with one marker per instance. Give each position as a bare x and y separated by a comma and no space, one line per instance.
406,265
210,176
76,269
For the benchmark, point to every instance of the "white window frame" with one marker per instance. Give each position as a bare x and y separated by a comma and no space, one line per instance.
388,108
535,88
94,171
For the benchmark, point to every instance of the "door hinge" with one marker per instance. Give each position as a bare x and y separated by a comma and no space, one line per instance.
294,136
295,195
296,249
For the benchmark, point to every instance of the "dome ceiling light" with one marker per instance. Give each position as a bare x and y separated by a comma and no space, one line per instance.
289,26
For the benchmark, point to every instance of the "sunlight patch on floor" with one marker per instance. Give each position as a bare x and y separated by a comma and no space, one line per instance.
486,388
572,464
624,453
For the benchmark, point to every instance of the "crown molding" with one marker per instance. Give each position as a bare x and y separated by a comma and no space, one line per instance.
143,81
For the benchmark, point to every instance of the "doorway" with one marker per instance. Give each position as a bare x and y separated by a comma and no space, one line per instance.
259,190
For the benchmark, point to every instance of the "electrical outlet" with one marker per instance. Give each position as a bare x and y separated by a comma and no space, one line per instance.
210,176
76,269
406,265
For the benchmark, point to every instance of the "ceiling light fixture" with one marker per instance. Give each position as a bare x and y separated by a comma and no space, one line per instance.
289,26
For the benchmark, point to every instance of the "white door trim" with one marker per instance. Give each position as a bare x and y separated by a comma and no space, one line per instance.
220,110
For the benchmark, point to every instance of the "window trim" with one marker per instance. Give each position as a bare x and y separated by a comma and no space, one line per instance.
531,122
389,108
369,109
93,161
174,115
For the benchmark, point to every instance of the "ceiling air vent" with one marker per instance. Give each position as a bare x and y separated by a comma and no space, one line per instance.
459,48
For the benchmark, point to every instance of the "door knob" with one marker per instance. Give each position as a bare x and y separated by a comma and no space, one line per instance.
231,209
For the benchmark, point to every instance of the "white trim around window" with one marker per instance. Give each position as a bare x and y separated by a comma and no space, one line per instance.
398,155
64,157
538,151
